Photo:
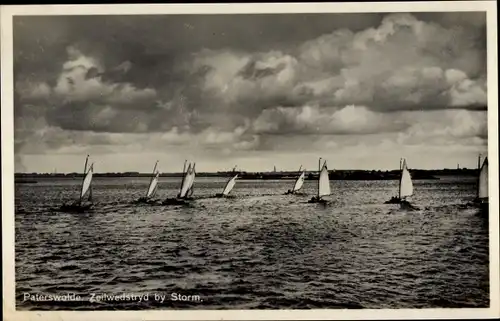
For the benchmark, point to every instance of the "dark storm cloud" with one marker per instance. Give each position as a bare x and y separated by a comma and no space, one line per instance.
244,75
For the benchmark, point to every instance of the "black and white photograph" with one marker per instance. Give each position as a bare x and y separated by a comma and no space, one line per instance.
176,160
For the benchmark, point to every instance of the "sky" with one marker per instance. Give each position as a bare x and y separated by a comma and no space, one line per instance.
256,91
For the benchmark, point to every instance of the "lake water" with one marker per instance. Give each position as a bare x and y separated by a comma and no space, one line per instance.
260,250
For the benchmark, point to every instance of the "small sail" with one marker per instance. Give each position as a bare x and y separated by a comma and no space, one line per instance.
483,180
87,181
230,184
324,182
191,182
299,182
405,184
153,186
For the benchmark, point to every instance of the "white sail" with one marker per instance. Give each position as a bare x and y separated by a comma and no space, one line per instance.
324,182
186,182
153,186
87,181
483,180
230,184
191,180
299,182
405,184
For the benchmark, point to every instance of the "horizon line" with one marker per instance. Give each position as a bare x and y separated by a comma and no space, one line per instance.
250,172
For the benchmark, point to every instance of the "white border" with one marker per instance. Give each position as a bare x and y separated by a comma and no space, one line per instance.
7,12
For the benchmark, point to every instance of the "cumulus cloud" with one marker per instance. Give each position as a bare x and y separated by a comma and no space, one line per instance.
326,121
448,129
413,78
81,80
402,64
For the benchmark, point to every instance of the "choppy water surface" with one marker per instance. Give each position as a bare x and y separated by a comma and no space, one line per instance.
260,250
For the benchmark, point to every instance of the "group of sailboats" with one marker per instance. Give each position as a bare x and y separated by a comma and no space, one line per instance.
186,189
405,190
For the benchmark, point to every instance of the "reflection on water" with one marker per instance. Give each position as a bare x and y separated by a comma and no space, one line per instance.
259,250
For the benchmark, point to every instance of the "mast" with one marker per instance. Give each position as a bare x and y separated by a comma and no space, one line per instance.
183,175
478,174
319,173
84,173
152,177
401,162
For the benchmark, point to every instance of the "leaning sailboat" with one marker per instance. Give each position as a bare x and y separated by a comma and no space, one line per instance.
482,184
152,188
299,182
186,188
229,185
323,185
84,202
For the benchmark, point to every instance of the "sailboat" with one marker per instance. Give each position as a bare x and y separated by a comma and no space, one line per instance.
299,182
482,184
186,189
229,185
152,188
405,187
323,185
80,205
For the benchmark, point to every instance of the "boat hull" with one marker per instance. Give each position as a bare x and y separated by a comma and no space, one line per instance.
177,201
482,204
293,193
317,200
76,208
144,200
220,195
405,205
394,200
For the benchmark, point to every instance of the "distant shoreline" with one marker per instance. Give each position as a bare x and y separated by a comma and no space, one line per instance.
336,175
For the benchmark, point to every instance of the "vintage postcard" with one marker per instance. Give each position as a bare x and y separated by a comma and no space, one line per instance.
250,161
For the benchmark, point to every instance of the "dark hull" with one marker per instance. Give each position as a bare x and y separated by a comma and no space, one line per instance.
393,200
317,200
75,208
405,205
144,200
293,193
482,205
220,195
177,201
